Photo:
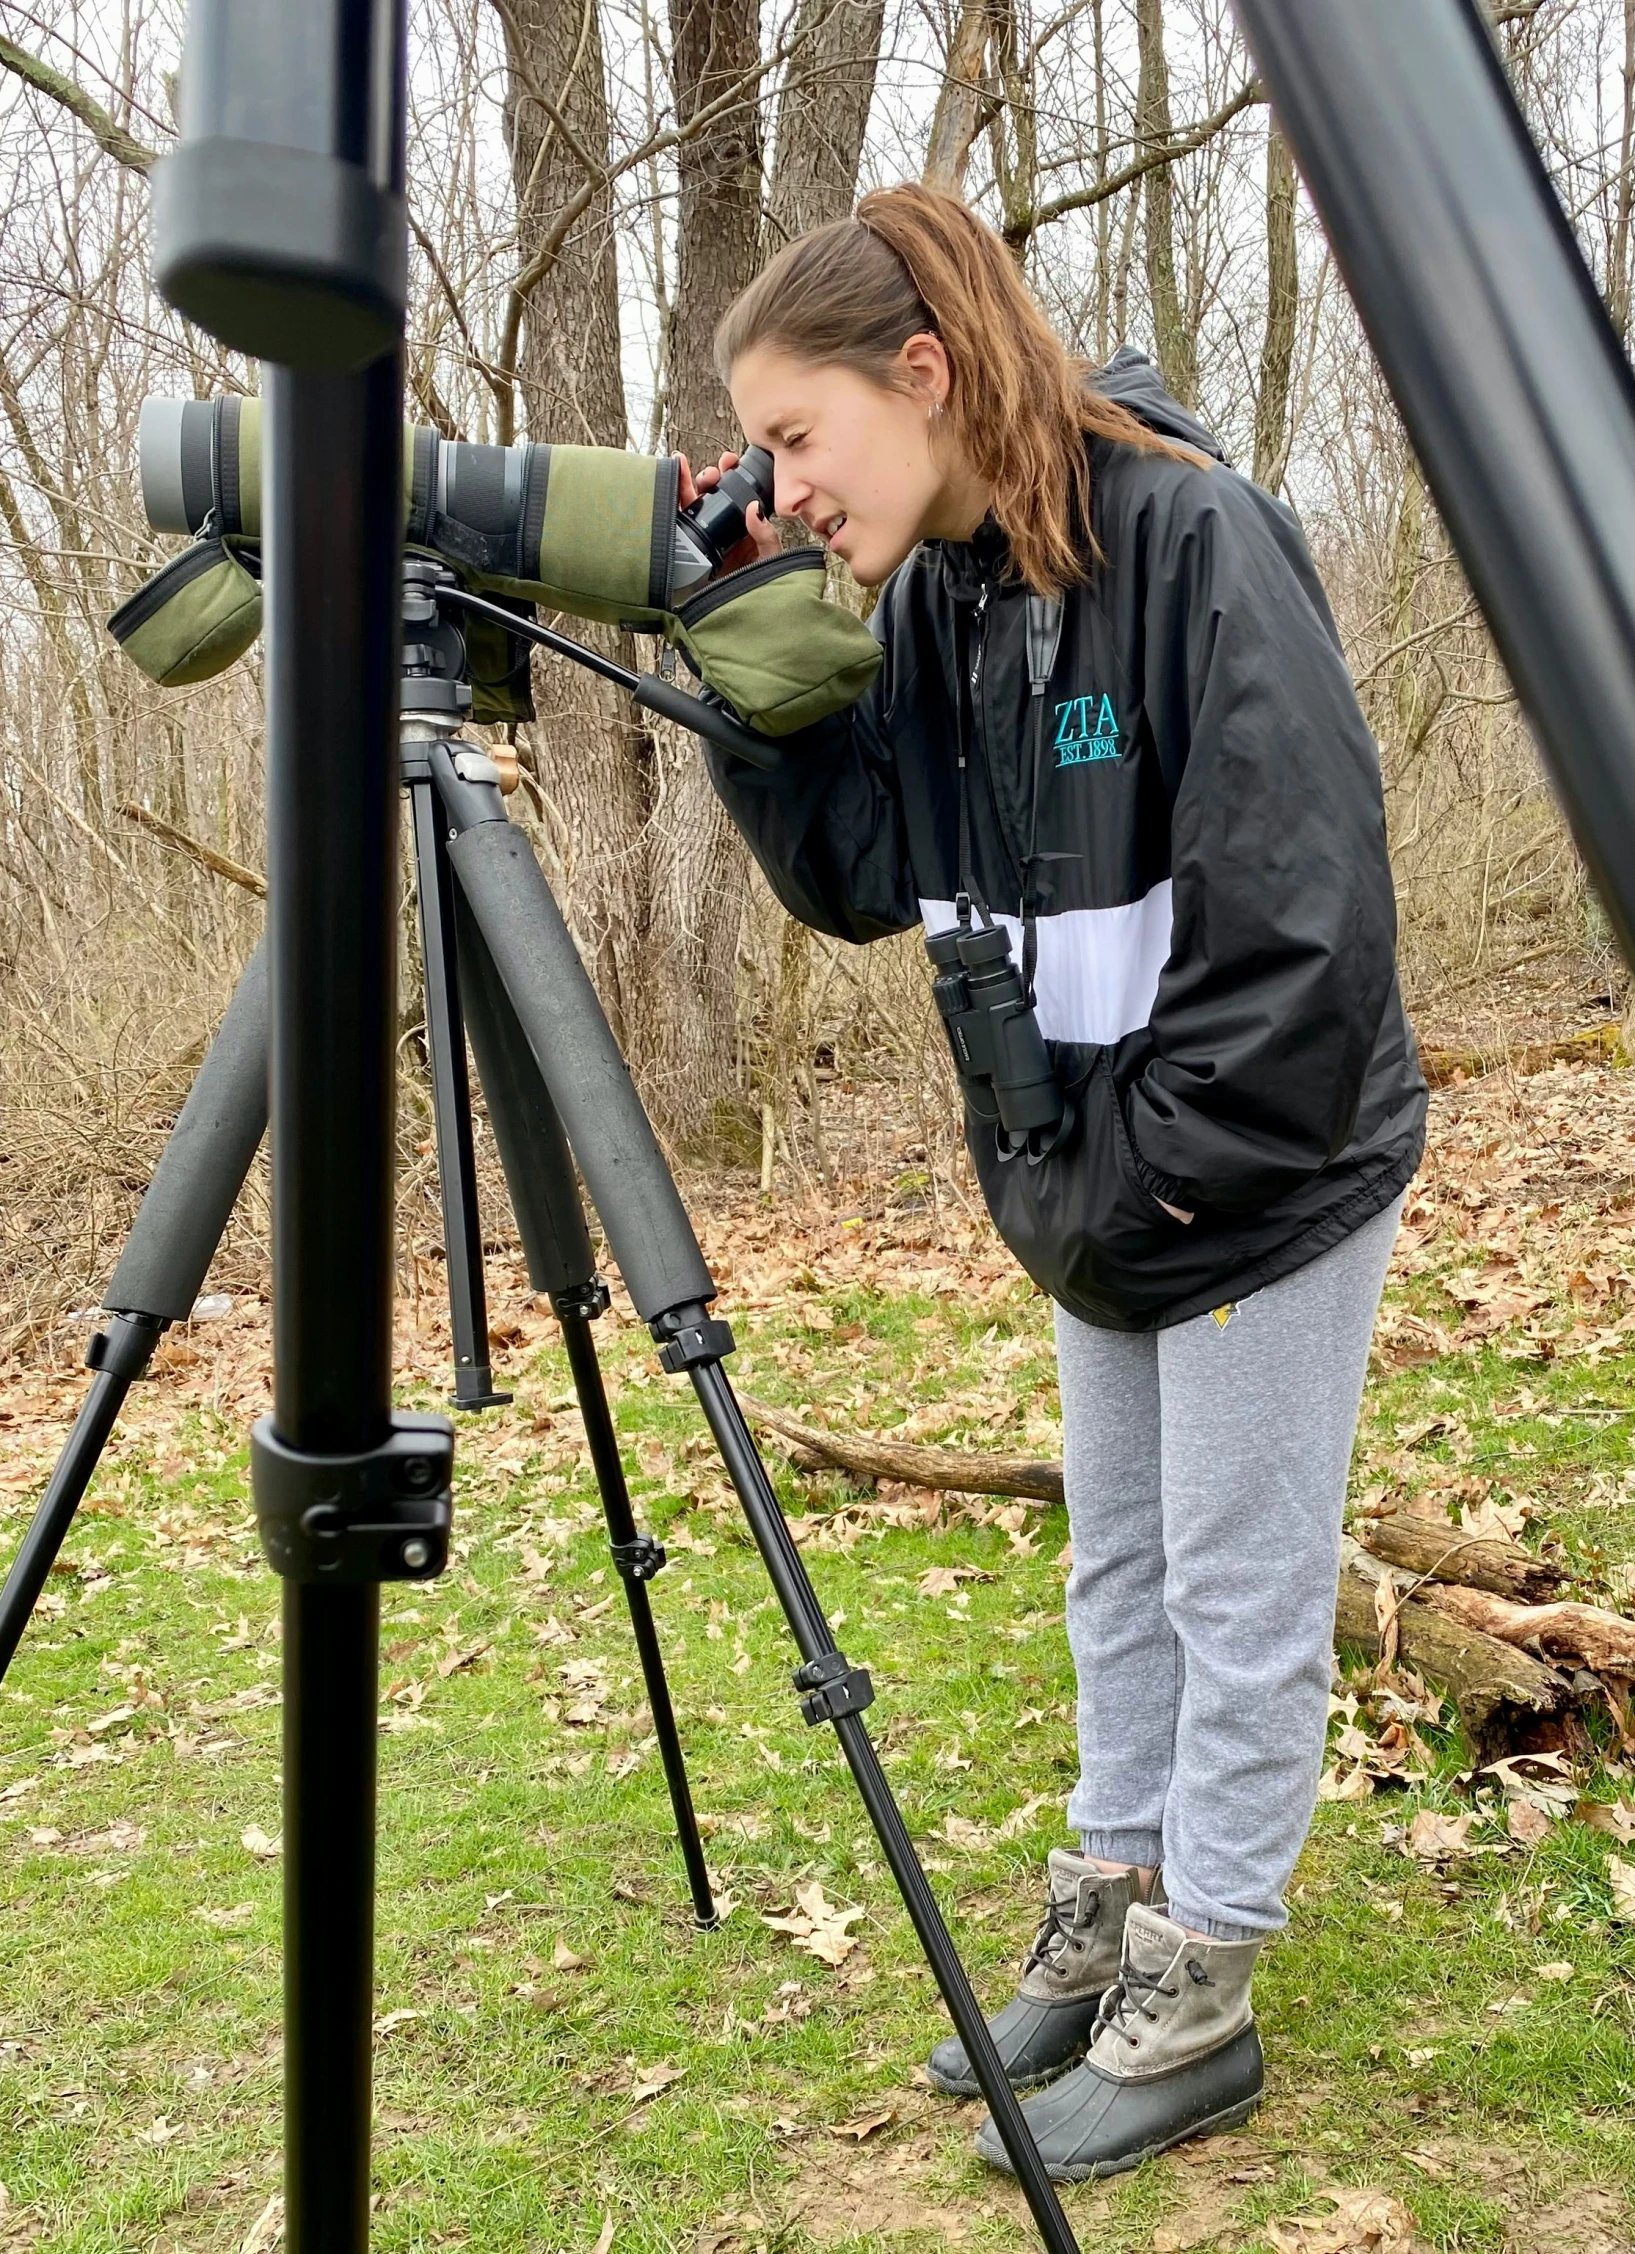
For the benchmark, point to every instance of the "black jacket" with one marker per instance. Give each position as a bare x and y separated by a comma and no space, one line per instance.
1216,925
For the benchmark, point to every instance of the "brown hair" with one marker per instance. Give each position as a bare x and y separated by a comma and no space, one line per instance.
1018,409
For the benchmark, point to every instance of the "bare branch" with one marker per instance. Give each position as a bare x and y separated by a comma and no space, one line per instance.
206,855
108,134
1183,144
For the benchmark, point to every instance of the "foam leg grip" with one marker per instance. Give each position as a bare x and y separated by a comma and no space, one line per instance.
182,1218
589,1082
533,1149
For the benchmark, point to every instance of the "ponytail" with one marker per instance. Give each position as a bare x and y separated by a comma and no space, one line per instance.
1019,408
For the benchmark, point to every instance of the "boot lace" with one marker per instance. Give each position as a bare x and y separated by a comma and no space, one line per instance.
1055,1933
1123,2001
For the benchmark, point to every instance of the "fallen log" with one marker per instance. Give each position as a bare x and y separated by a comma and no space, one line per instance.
956,1471
1419,1545
1508,1702
1580,1635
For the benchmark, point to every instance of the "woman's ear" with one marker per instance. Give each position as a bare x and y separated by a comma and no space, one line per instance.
924,359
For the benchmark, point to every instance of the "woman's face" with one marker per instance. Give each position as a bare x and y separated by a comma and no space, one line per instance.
855,460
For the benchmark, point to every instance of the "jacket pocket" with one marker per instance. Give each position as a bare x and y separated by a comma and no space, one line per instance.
1081,1221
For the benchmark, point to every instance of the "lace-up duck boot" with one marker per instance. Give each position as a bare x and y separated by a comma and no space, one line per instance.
1073,1961
1175,2055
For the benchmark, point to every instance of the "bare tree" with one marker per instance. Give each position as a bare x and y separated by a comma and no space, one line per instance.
1282,314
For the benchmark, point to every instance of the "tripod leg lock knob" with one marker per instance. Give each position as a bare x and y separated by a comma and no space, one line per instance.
833,1686
700,1341
640,1558
381,1516
586,1300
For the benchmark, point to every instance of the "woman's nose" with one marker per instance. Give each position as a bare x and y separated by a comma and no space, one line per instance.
789,492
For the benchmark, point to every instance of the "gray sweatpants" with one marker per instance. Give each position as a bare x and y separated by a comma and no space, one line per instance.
1206,1473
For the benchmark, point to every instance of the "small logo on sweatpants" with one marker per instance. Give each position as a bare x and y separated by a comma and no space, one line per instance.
1223,1315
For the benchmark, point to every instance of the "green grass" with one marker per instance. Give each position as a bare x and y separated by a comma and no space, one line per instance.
1412,2043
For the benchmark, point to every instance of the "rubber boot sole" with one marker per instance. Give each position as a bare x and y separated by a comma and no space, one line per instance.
1230,2117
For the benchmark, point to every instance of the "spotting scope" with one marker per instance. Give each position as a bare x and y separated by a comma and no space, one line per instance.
522,512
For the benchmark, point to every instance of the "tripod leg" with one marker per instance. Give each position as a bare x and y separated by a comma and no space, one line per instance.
652,1239
167,1255
551,1219
451,1107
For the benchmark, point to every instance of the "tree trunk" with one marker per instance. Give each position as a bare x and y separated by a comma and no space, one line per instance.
963,102
1282,312
823,113
699,860
713,44
1173,339
591,764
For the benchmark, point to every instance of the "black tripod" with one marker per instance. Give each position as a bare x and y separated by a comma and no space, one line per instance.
501,968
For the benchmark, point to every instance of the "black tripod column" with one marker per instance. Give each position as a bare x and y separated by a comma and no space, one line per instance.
551,1221
451,1097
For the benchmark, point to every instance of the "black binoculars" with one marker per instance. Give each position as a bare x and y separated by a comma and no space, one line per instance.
999,1052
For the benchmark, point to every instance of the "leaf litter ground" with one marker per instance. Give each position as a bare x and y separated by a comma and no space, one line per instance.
561,2062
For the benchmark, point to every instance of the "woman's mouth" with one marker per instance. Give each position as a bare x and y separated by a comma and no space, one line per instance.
830,531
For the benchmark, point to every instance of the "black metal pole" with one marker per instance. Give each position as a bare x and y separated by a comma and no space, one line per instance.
451,1107
333,501
636,1558
816,1644
1508,374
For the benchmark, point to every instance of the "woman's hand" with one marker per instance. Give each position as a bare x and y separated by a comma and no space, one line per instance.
760,539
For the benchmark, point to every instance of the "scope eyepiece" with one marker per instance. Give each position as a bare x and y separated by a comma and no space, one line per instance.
712,526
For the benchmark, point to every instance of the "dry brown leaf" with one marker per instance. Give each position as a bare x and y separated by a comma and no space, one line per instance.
1200,2226
564,1958
943,1580
1615,1817
1527,1823
267,2229
453,1662
1436,1838
1020,1820
960,1832
818,1926
864,2126
256,1842
1621,1878
651,2080
604,2238
1361,2221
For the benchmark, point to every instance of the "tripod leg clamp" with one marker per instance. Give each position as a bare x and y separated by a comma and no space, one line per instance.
586,1300
382,1516
833,1686
639,1559
124,1348
705,1339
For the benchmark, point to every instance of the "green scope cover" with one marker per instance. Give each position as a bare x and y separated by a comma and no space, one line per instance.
589,530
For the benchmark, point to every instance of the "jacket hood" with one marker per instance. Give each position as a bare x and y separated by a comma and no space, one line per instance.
1131,379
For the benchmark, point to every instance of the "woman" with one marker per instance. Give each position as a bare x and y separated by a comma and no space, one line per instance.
1113,715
